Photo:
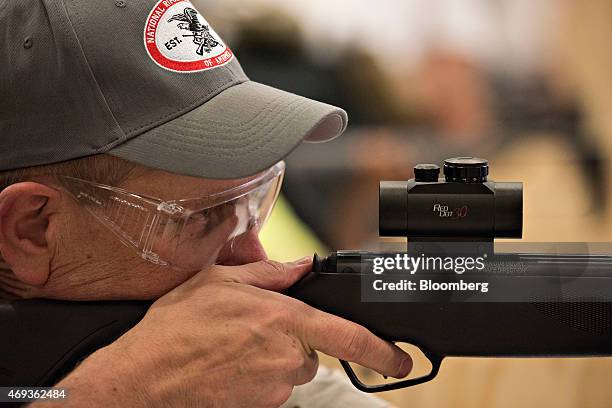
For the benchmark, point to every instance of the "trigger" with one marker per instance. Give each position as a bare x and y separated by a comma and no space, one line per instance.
435,361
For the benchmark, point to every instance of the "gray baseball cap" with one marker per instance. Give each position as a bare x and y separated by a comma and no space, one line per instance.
149,81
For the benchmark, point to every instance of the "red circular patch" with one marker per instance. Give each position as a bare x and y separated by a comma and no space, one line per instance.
178,38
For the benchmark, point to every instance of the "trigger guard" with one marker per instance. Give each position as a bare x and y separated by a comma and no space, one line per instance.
435,361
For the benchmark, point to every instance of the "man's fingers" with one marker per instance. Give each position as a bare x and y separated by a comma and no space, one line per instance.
324,332
349,341
270,275
307,372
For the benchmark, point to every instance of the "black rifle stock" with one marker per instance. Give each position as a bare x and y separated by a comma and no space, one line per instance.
43,340
461,329
49,338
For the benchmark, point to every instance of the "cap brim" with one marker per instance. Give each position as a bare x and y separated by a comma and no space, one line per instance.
241,131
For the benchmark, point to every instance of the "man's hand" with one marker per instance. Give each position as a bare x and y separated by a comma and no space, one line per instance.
226,338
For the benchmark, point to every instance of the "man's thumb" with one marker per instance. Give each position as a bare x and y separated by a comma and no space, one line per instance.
270,275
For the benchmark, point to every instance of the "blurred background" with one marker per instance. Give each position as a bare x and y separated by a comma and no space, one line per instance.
525,84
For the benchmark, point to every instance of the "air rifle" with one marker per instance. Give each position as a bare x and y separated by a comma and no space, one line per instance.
544,305
459,216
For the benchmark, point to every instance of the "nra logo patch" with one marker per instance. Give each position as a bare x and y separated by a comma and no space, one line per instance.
179,39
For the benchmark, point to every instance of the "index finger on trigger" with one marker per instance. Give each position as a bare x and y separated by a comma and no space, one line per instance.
350,341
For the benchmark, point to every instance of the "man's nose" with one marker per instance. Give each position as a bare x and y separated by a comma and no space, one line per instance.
247,250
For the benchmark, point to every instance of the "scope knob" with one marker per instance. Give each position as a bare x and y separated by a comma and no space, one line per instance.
426,172
466,170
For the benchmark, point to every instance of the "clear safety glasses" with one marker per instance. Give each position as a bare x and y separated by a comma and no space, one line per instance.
190,234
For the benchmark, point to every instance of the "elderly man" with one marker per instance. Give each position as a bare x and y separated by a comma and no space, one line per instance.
134,168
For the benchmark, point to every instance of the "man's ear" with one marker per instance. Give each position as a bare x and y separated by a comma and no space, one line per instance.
25,217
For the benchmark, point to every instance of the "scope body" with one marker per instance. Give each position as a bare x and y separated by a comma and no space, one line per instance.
461,206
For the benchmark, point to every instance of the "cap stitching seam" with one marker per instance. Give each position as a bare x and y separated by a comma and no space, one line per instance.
183,109
93,78
245,122
253,122
263,123
236,150
233,152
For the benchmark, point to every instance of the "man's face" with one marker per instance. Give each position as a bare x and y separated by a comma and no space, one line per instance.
90,262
